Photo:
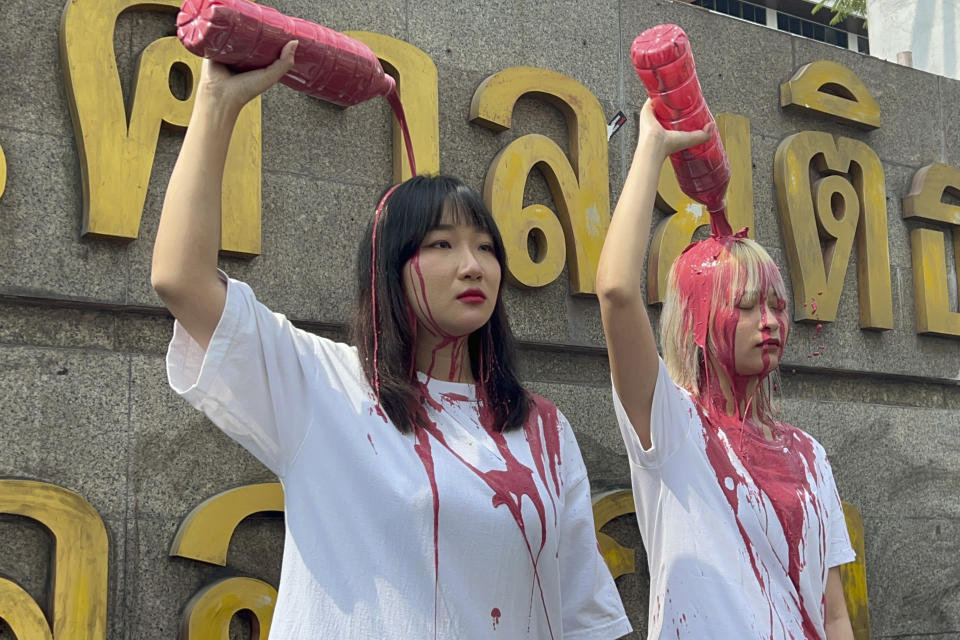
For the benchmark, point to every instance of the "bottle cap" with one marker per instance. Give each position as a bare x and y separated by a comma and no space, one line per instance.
658,46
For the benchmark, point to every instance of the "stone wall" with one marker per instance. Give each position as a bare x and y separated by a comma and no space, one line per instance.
82,335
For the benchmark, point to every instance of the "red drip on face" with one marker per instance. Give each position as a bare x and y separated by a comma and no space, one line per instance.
706,281
456,344
370,439
495,614
510,485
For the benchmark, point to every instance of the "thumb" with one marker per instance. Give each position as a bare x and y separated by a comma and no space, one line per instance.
279,67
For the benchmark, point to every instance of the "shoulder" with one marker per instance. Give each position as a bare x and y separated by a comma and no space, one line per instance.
546,414
803,440
810,449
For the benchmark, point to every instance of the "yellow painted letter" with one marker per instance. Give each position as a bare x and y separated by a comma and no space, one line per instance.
579,184
846,201
80,563
116,155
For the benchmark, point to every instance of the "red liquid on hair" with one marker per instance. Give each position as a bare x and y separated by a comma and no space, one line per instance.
663,60
328,65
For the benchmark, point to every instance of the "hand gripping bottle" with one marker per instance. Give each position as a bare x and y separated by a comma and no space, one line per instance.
328,65
664,62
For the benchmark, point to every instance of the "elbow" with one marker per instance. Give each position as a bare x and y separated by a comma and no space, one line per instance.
166,285
613,293
162,287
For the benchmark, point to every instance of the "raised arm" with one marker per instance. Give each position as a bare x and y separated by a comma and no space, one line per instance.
184,269
630,344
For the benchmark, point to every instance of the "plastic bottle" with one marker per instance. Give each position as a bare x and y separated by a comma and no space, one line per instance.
328,65
663,60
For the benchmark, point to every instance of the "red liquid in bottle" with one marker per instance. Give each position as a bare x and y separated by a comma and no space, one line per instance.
328,64
664,62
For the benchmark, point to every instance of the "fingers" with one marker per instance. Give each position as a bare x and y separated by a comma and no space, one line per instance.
260,80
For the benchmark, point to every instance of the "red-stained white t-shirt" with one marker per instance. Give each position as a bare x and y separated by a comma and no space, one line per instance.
455,533
739,531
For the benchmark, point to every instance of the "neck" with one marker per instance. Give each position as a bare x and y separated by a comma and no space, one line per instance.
443,357
734,395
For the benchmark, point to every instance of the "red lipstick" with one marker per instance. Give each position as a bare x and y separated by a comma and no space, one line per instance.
472,296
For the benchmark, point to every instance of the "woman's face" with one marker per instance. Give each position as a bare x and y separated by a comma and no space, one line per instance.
452,281
761,332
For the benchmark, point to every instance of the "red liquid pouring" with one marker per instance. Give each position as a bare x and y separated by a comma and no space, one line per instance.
328,65
664,62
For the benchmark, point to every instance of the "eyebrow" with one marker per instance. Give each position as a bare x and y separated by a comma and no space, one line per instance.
451,227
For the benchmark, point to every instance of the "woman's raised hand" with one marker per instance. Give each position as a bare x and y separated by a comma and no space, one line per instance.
233,90
654,138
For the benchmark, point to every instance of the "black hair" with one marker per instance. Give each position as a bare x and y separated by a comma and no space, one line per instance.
407,215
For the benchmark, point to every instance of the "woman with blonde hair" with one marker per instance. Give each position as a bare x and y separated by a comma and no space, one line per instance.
738,510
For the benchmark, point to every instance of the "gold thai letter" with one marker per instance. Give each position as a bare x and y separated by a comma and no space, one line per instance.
22,613
833,91
925,202
80,564
675,232
3,172
846,201
854,576
620,560
205,535
116,154
579,184
416,77
208,614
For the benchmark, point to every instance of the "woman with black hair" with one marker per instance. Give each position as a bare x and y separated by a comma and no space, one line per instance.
427,494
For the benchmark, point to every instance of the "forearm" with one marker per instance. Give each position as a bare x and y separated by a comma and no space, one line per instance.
839,630
837,620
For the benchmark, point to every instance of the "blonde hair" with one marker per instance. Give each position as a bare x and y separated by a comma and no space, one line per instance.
723,269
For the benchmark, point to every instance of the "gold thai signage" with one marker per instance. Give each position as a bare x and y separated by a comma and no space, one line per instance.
79,594
831,192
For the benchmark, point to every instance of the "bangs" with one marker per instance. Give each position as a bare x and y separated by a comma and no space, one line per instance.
461,206
748,272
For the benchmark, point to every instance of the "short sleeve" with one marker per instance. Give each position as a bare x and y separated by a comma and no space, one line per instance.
261,380
839,549
671,416
591,603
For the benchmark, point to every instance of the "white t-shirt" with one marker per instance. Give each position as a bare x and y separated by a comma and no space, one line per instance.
502,546
711,506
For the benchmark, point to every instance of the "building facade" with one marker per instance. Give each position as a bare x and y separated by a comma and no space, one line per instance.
846,168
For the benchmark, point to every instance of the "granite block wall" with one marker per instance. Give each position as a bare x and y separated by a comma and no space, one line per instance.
82,335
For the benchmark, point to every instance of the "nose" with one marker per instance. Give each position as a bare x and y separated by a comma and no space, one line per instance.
768,317
470,267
